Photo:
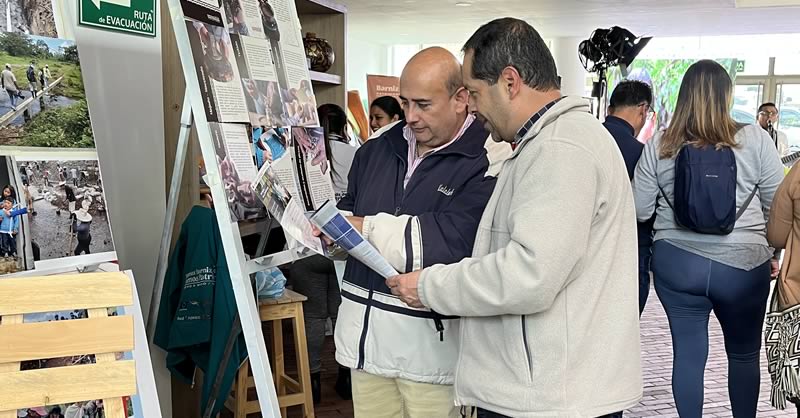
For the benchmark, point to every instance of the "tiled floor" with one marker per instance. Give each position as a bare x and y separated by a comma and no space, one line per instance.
657,363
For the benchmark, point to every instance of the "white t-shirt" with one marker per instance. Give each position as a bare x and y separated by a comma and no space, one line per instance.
341,159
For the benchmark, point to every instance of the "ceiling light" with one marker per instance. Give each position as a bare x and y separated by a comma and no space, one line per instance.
463,4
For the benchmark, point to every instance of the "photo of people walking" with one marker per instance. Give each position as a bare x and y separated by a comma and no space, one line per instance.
71,217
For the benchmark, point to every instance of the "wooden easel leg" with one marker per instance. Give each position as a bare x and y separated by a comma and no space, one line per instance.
241,390
278,365
303,368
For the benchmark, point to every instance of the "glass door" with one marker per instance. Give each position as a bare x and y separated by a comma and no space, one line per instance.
788,101
746,99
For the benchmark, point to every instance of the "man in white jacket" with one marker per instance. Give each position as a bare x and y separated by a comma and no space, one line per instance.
548,300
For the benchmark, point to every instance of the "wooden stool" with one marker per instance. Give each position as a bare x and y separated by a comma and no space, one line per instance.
288,306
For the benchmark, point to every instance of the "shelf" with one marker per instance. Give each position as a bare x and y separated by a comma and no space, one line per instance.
325,78
257,226
319,7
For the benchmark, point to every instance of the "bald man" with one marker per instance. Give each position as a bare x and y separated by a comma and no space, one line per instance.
417,194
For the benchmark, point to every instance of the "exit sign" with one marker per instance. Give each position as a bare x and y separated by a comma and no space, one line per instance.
739,66
131,16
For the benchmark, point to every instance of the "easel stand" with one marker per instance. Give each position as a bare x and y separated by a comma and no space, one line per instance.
239,268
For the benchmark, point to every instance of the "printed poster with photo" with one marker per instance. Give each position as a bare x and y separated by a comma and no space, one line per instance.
237,170
54,211
215,62
311,167
244,17
42,99
281,26
45,18
259,81
298,159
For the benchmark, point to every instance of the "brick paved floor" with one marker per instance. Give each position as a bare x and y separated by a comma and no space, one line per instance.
657,365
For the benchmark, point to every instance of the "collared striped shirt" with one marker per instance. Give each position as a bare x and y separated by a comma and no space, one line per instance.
532,121
414,160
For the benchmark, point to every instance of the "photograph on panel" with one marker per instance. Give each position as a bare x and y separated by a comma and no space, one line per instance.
244,17
42,99
237,170
215,64
67,208
269,144
17,249
290,61
259,81
31,17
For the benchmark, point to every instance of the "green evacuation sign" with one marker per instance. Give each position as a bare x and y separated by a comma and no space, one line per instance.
132,16
740,66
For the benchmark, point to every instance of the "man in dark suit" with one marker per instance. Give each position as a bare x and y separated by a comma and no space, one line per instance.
629,109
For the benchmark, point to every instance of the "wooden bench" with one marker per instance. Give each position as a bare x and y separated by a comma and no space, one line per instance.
108,379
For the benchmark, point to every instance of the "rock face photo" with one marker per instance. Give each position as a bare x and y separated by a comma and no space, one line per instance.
32,17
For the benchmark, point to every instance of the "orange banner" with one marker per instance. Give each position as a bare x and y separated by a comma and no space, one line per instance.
382,85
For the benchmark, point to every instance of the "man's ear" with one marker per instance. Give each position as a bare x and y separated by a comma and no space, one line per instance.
510,81
462,97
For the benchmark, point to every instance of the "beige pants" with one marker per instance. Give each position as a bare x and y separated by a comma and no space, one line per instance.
380,397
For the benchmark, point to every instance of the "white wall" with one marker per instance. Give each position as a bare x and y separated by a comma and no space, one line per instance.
364,57
123,82
573,75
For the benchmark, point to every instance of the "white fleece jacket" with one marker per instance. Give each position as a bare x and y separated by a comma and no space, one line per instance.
548,301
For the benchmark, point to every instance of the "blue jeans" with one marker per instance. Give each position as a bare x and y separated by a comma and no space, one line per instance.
690,287
12,95
8,244
644,230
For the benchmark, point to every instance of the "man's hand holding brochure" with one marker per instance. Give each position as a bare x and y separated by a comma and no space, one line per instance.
330,222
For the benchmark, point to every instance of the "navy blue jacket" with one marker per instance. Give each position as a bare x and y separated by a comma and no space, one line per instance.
436,218
631,150
630,146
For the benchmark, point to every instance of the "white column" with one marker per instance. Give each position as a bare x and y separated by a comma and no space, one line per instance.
123,82
573,75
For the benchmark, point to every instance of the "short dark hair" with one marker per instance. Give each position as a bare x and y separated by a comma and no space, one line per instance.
630,93
510,42
767,104
389,105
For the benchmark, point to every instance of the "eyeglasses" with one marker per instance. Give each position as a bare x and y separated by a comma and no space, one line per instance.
767,113
650,110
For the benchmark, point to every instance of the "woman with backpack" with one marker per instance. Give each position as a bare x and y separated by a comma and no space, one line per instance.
710,183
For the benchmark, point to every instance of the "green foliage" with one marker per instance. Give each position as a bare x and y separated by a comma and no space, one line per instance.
66,127
18,45
71,86
19,50
666,75
71,54
42,50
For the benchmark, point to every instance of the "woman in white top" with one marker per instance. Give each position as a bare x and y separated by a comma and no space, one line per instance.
315,277
337,145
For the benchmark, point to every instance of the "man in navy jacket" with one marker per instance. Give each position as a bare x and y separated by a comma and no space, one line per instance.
417,194
629,109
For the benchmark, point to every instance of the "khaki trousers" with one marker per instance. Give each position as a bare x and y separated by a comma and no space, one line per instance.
381,397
